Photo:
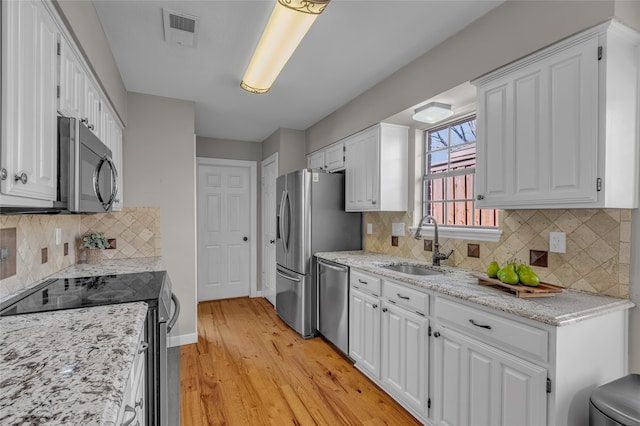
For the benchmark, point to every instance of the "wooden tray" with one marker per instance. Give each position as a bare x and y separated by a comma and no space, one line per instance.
522,291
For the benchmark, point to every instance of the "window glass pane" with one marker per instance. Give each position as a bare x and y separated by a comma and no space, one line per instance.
439,139
437,161
451,150
463,133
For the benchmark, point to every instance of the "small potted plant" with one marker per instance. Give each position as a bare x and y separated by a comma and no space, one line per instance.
93,243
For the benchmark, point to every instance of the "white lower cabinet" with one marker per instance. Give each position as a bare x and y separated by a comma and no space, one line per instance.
453,362
132,410
364,331
405,357
476,384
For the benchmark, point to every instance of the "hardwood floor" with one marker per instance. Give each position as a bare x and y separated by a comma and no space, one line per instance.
249,368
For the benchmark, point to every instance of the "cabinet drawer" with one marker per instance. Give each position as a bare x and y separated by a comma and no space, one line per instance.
406,297
365,282
510,335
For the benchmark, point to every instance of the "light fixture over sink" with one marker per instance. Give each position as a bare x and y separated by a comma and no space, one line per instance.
287,26
432,112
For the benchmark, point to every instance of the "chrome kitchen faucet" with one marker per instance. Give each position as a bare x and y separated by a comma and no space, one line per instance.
437,256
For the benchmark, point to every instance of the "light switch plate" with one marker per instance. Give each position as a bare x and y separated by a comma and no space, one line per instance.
557,242
397,229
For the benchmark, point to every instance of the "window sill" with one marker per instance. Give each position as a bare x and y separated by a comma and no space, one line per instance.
462,233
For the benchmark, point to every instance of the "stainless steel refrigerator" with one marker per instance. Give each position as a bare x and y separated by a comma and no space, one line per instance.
310,219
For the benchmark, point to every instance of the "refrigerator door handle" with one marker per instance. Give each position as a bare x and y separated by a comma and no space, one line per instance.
287,276
280,222
287,223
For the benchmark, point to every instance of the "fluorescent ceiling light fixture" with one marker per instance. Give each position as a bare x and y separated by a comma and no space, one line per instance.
287,26
433,112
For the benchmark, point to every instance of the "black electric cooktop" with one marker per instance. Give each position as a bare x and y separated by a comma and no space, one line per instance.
69,293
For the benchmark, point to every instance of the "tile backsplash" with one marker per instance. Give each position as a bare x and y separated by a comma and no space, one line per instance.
598,245
136,230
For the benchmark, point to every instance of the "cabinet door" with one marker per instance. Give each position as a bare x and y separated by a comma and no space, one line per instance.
405,357
315,161
92,109
29,134
362,152
72,84
364,331
479,385
334,157
537,133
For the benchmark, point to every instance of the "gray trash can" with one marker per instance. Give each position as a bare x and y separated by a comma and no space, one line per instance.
616,403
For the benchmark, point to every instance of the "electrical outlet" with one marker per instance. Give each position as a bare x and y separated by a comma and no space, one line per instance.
58,236
369,228
557,242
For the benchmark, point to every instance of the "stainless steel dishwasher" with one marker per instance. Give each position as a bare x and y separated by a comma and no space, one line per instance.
333,303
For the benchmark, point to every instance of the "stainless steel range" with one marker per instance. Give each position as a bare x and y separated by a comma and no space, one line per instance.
154,288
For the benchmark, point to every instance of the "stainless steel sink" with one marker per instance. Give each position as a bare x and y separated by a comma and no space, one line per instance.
412,270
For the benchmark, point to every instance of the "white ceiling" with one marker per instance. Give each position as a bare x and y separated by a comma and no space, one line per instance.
351,47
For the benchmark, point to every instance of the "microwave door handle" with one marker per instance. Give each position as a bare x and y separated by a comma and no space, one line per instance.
96,180
114,183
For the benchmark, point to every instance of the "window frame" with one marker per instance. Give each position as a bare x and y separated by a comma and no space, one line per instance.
467,232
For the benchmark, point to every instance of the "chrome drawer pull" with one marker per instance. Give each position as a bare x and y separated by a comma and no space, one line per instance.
403,297
488,327
362,282
143,347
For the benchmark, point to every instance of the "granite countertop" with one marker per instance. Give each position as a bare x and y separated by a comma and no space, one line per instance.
562,309
68,367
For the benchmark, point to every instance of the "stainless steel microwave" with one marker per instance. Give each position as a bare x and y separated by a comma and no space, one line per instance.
87,176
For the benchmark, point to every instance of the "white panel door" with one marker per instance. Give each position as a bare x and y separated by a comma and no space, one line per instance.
223,231
30,77
71,102
269,175
364,331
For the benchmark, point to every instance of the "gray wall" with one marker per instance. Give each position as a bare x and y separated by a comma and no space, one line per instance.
81,18
238,150
291,148
508,32
159,163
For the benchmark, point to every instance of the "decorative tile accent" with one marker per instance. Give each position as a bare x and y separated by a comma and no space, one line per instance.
45,257
428,245
35,232
538,258
473,250
598,245
394,241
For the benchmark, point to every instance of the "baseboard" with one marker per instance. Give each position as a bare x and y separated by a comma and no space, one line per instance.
183,339
257,294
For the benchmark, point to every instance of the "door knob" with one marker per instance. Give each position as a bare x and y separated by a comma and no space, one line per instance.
245,238
22,177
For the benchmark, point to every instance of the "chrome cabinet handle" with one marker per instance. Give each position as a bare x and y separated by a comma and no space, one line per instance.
22,177
84,121
488,327
384,309
272,241
403,297
91,127
479,197
3,174
436,334
129,409
143,347
375,306
362,282
140,403
245,239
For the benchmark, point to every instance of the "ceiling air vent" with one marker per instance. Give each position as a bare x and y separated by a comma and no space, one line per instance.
180,28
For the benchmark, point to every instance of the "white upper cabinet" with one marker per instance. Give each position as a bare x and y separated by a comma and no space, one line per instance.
334,157
72,82
315,161
376,161
558,129
330,158
29,104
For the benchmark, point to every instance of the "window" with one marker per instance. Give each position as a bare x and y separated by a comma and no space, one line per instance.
448,182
